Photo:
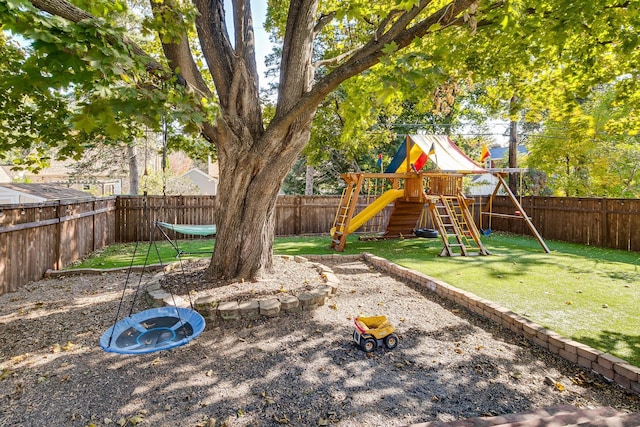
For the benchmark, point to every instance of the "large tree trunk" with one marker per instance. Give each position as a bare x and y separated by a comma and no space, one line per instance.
250,179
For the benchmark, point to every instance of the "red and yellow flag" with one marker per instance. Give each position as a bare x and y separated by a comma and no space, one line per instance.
484,154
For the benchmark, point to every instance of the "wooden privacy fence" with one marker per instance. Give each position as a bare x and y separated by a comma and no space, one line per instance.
34,238
295,215
609,223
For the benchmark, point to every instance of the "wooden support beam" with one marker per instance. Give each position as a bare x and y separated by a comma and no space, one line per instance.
524,215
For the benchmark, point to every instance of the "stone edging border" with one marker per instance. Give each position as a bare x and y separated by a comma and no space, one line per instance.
216,312
96,271
610,367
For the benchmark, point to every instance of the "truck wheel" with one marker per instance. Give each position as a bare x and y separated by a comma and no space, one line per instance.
391,341
368,345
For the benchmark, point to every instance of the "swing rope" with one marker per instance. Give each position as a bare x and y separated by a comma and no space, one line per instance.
158,334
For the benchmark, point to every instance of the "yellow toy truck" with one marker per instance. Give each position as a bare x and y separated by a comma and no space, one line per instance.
374,331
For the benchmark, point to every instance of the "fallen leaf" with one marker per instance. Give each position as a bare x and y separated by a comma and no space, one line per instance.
569,302
136,419
283,420
559,386
209,372
56,348
155,361
516,375
333,306
5,373
68,346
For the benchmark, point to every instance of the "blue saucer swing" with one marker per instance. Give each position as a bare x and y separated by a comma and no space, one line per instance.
154,329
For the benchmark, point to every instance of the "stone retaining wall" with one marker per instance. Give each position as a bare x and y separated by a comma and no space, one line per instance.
215,312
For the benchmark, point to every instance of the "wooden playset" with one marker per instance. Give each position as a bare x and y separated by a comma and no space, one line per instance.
418,196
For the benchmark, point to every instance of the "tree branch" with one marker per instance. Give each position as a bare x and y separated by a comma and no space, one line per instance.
322,22
335,59
295,70
234,70
72,13
370,54
179,54
216,46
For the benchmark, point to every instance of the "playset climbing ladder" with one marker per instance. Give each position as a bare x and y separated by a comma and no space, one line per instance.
455,226
347,205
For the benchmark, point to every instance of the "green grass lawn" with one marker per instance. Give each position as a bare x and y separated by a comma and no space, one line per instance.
589,294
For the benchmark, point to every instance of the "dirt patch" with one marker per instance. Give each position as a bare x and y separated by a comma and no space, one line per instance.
188,280
300,369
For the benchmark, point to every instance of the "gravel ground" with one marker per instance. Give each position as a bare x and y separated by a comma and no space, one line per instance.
299,369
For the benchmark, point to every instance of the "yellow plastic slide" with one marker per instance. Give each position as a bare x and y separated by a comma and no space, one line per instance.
378,204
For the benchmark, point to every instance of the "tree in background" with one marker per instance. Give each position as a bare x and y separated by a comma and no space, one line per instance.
584,154
207,78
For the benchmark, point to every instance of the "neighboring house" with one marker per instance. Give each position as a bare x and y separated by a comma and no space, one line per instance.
13,194
4,176
482,185
502,153
206,184
61,173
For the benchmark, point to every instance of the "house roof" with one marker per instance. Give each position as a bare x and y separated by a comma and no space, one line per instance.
197,172
498,153
4,176
48,191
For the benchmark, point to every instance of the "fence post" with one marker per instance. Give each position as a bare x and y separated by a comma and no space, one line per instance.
604,224
297,225
58,238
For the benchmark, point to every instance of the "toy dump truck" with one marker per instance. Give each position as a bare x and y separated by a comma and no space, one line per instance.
374,331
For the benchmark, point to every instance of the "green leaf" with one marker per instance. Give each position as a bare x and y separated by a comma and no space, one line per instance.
389,48
85,123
